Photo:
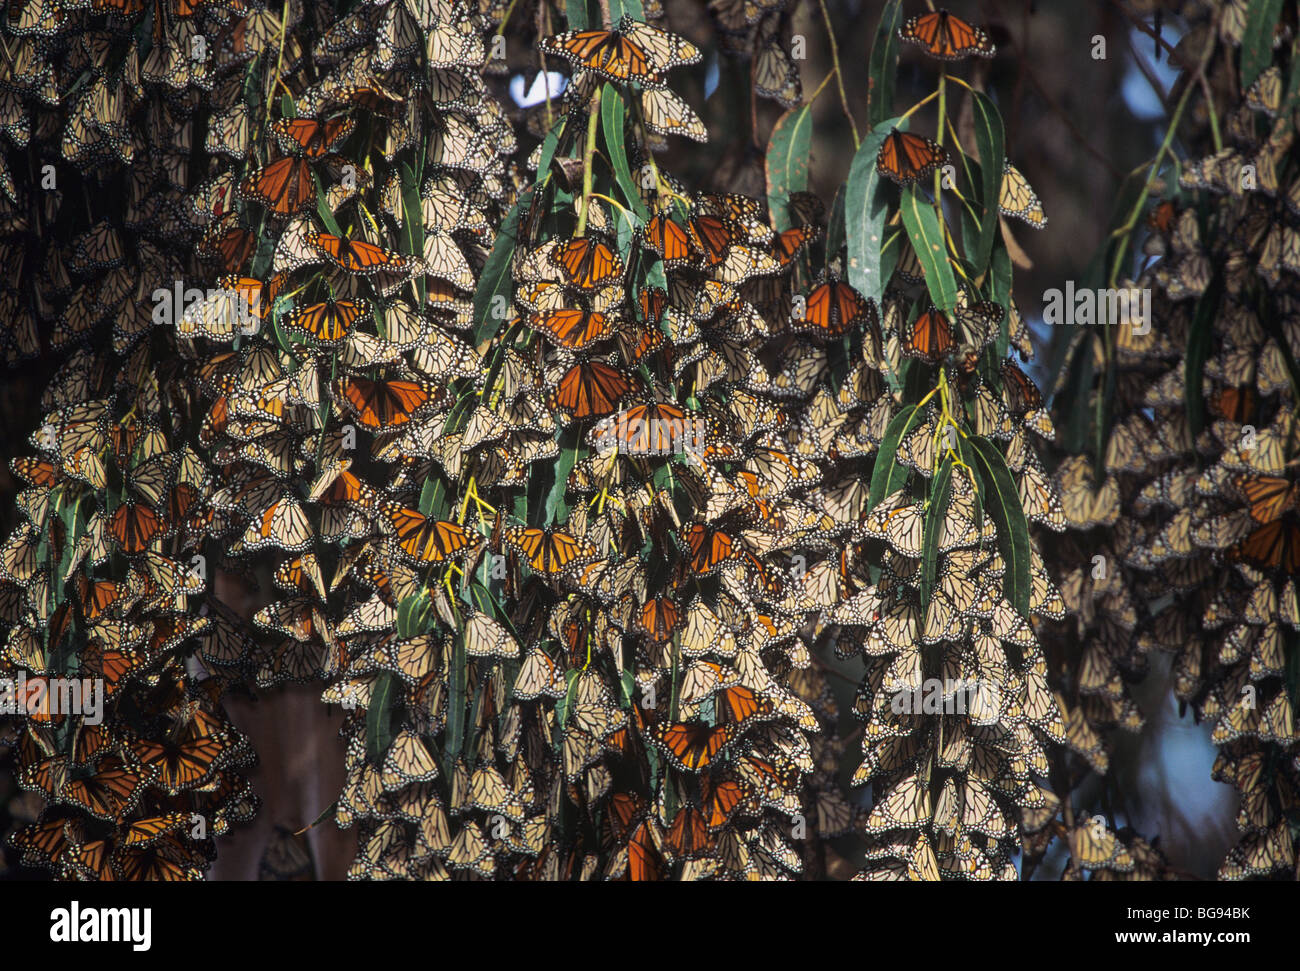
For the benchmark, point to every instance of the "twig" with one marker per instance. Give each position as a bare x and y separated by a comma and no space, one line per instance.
588,158
839,74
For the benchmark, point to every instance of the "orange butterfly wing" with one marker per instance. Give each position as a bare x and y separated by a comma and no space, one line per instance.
285,187
907,158
573,328
930,336
591,389
947,37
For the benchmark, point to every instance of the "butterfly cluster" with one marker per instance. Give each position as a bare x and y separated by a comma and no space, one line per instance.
1184,534
567,484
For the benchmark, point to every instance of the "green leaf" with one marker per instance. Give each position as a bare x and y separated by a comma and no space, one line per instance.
1001,277
866,205
923,230
934,514
575,13
496,280
549,146
565,704
882,67
632,8
1200,335
379,733
414,614
967,453
1257,39
556,510
612,112
787,162
323,209
887,477
1002,500
989,140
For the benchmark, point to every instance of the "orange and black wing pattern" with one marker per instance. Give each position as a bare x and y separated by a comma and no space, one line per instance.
906,158
947,37
285,187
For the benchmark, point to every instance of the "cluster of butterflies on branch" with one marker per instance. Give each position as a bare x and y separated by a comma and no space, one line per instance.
568,483
1190,505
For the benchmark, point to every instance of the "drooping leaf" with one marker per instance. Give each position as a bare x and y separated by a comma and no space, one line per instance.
612,110
923,230
934,513
787,162
866,205
379,733
1002,500
989,140
496,280
887,477
882,67
1257,39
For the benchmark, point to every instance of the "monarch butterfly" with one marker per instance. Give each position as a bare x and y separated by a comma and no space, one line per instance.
653,301
720,799
929,337
310,137
669,240
689,835
185,762
384,404
1024,400
645,860
1275,545
712,235
657,618
946,36
834,306
1269,496
227,242
776,75
588,264
328,324
790,243
549,552
710,547
693,746
740,704
591,389
356,256
111,791
1234,403
423,538
1018,199
134,526
285,187
572,328
908,158
667,114
635,51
